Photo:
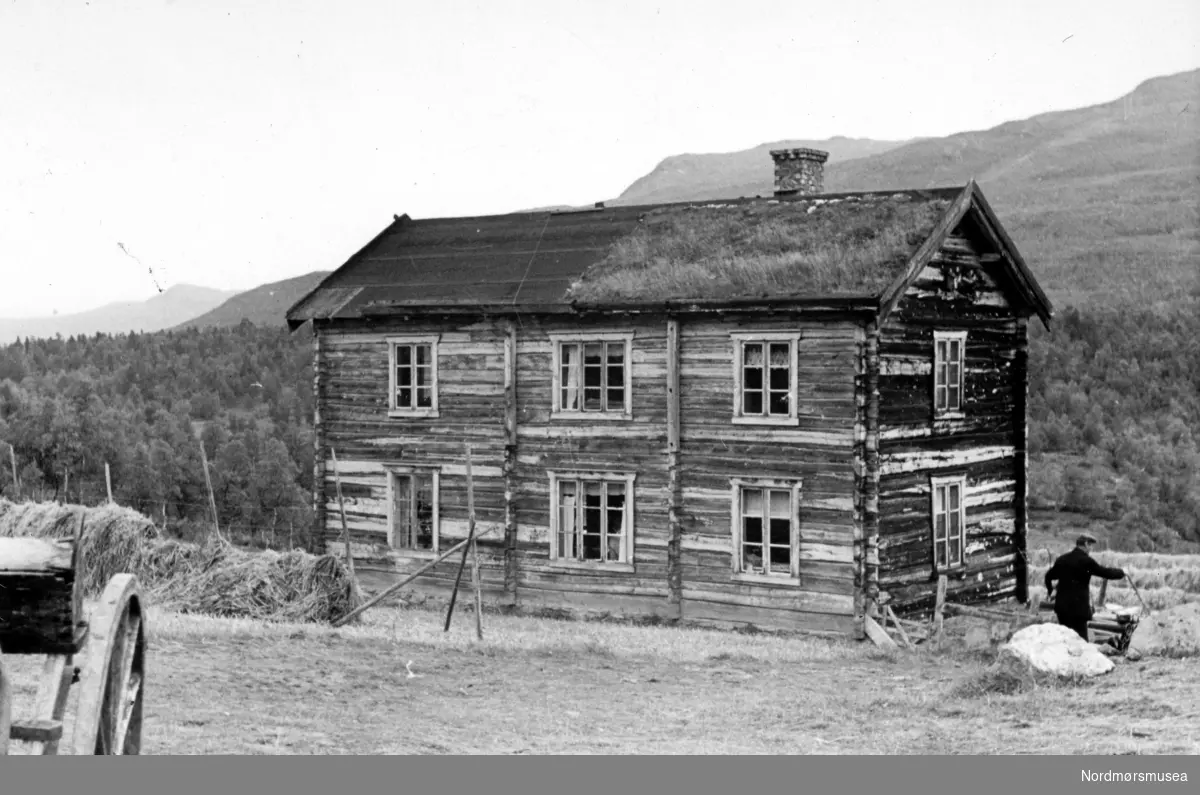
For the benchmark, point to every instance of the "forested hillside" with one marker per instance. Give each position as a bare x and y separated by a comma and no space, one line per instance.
143,403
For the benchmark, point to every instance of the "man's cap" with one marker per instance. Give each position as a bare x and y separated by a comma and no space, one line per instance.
1086,538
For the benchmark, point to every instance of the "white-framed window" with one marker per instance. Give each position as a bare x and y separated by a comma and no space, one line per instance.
413,508
949,513
766,529
592,375
412,376
948,360
765,378
591,518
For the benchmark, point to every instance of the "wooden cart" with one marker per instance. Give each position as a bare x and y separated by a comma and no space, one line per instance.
41,613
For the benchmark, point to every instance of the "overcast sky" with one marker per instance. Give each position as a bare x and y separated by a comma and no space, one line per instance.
229,144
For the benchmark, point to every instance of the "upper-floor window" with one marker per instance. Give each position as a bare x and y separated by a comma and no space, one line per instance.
948,358
591,517
413,510
592,375
765,378
949,521
413,378
766,533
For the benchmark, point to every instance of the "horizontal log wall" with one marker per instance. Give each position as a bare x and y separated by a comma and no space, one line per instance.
985,443
352,381
546,443
819,449
352,372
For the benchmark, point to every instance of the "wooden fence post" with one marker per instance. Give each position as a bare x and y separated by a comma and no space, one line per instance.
108,482
337,479
212,499
12,458
938,608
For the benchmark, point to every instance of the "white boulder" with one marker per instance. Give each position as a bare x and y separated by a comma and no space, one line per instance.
1055,649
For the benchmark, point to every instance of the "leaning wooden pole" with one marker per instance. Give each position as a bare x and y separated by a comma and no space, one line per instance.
391,589
457,581
337,479
108,482
12,459
474,549
212,499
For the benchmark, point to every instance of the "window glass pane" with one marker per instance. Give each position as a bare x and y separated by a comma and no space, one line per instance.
781,504
424,488
953,376
402,529
939,399
953,491
752,378
752,557
424,376
781,559
781,354
752,354
779,403
614,549
954,524
424,397
404,398
940,556
616,375
954,350
591,398
424,354
781,532
752,502
616,400
403,376
940,371
952,399
752,530
616,353
939,527
593,353
781,378
403,354
752,403
955,552
939,499
941,350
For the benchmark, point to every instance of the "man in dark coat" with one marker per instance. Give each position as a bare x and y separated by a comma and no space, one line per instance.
1073,572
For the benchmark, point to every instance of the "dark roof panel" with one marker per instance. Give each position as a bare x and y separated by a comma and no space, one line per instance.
560,259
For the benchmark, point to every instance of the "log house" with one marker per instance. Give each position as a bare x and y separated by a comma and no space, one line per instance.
834,407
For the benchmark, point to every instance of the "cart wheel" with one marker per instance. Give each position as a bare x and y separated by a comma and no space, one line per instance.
108,720
5,708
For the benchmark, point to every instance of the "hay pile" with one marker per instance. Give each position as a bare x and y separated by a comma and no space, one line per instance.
214,578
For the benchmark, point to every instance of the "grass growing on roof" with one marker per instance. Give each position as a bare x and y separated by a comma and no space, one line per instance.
838,247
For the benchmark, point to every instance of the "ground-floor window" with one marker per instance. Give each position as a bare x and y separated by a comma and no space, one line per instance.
766,534
413,509
949,521
592,517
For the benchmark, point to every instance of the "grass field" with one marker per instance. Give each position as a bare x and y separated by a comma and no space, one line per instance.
539,686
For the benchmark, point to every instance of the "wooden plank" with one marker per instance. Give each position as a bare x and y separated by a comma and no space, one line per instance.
51,701
939,605
511,451
877,634
674,487
474,550
891,614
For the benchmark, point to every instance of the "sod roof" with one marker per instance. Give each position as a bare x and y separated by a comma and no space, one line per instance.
833,246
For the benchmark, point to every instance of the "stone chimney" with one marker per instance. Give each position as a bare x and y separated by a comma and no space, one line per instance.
799,171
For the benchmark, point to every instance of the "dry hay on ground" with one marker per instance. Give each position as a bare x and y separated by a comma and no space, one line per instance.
215,578
112,535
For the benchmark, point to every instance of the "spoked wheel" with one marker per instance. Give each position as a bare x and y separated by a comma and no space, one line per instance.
108,720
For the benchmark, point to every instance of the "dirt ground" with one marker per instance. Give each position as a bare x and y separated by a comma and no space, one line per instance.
552,687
